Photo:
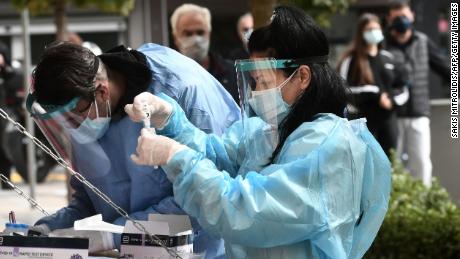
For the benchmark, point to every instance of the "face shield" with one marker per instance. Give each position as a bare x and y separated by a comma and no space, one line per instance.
74,129
260,83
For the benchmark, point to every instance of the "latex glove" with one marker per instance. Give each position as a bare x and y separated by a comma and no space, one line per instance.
98,240
41,229
159,109
154,149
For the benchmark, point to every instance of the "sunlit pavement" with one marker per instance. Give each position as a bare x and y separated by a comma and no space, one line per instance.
51,195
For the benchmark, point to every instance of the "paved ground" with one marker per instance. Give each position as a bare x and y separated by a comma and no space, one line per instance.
51,195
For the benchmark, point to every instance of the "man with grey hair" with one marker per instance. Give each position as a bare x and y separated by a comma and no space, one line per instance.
191,29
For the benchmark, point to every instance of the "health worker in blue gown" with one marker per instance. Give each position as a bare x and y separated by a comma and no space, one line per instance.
77,101
293,178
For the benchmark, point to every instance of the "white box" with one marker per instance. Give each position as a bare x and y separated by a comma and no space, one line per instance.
175,232
22,247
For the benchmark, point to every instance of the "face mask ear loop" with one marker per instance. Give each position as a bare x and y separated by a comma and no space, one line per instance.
109,111
95,105
288,79
89,110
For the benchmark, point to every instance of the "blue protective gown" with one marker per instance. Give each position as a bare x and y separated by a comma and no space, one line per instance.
141,190
325,195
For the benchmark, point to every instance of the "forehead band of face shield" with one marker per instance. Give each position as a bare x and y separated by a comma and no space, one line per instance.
48,111
281,63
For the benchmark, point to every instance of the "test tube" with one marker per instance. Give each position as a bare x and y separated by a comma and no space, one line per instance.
147,122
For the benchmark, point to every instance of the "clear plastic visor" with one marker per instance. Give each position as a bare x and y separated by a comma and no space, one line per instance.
65,126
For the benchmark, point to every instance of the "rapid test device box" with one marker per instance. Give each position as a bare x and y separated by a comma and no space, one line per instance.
174,231
23,247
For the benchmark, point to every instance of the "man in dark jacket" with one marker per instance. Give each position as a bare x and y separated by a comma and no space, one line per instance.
418,55
191,29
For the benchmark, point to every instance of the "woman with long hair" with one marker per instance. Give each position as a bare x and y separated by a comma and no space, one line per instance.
369,72
293,178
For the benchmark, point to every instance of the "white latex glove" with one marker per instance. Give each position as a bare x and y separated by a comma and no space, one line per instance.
159,109
43,229
98,240
154,149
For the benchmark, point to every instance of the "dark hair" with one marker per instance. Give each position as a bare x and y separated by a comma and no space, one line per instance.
361,73
131,67
292,34
398,4
65,70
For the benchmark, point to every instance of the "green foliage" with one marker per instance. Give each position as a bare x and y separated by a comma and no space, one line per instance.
36,7
321,10
421,222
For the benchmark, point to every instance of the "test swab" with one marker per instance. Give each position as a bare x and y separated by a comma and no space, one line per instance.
147,123
147,116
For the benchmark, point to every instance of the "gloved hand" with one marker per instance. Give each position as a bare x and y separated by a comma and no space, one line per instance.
154,149
98,240
159,109
41,229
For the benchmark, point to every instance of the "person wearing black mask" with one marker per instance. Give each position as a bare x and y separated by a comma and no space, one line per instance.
417,53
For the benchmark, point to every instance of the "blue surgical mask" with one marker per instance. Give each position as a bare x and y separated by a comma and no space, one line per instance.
269,104
374,36
90,130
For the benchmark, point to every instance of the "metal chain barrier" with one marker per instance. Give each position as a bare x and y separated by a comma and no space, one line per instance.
21,193
83,180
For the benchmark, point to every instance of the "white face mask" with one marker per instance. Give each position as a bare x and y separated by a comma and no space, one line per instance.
92,130
374,36
195,47
269,104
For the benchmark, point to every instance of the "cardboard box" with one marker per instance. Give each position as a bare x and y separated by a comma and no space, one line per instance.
23,247
175,232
